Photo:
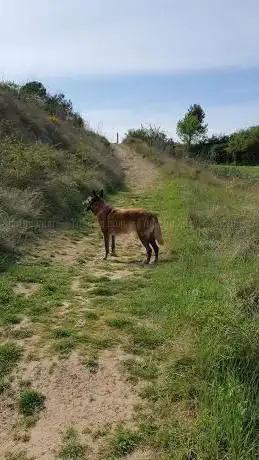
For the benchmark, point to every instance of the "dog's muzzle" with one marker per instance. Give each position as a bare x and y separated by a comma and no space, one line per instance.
87,205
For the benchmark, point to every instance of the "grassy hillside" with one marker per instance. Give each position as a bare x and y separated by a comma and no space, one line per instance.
47,166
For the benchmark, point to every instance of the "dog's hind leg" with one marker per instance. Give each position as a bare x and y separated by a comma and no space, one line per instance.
113,252
145,242
152,241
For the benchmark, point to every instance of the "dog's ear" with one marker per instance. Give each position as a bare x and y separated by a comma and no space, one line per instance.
101,194
93,193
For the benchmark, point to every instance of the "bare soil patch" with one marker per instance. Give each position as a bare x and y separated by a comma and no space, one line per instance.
74,397
26,289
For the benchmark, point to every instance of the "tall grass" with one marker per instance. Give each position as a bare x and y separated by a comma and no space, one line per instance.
205,399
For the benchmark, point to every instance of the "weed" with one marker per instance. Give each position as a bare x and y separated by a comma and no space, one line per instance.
105,342
72,449
10,354
103,291
60,333
119,323
12,319
146,370
92,365
91,315
249,296
125,442
21,333
96,279
147,338
31,402
65,345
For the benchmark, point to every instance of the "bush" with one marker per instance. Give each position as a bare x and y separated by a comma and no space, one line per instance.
10,354
153,136
125,442
31,402
212,149
243,146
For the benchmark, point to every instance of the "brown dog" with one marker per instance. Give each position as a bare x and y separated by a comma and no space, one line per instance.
115,221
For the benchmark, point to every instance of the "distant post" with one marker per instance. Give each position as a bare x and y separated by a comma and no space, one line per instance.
117,138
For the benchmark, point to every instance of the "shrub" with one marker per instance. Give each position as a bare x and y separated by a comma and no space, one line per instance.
125,442
243,146
10,353
31,402
72,448
153,136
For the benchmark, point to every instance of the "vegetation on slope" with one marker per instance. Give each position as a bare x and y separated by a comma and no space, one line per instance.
151,142
49,161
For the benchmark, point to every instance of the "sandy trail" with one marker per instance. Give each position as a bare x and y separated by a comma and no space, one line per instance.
90,403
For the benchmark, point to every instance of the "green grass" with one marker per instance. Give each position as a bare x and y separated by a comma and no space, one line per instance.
63,347
21,333
72,449
146,370
119,323
31,402
124,442
54,289
200,336
60,333
91,316
10,354
240,171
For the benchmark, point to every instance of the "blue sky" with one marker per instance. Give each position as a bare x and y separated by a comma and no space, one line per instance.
127,62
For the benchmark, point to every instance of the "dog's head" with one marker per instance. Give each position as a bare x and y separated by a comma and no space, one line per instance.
94,197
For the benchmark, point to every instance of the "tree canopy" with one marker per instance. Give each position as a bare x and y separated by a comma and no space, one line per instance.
191,129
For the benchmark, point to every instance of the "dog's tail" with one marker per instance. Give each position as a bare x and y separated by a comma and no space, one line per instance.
157,232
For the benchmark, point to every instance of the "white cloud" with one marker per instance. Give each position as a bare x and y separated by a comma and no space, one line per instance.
101,37
221,119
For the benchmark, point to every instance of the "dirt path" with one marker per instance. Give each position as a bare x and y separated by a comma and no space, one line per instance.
95,404
140,173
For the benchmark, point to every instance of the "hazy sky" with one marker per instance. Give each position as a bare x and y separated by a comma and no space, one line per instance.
127,62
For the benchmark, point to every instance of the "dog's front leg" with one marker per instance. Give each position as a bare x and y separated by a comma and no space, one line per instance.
106,243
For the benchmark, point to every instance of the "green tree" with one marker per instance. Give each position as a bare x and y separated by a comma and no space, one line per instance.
197,111
243,146
34,88
192,129
78,121
58,105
